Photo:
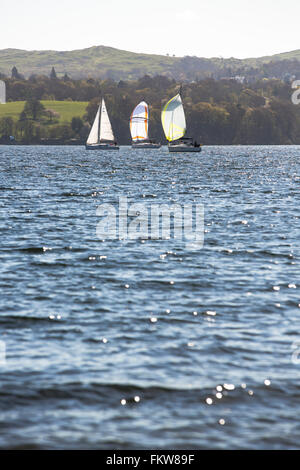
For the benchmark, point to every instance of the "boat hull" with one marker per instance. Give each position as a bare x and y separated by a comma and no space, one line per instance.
102,147
147,145
184,148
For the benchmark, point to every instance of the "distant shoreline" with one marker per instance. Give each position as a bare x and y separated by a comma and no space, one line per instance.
128,145
48,142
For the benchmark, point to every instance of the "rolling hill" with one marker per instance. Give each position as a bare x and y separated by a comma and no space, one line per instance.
108,62
96,62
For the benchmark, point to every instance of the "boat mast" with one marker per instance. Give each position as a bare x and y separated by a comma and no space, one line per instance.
180,91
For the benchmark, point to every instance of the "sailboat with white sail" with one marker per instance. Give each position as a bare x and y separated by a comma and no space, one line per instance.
174,125
139,123
101,136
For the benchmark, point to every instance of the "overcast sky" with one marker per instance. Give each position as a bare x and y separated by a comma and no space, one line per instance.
211,28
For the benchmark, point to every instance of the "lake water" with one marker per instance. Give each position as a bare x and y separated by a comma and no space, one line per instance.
127,344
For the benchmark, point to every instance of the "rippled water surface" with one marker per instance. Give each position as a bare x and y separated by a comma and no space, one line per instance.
108,344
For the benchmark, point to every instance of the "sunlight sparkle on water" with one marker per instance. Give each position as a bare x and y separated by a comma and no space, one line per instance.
229,387
53,317
211,313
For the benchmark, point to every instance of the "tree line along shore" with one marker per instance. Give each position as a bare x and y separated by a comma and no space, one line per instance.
53,110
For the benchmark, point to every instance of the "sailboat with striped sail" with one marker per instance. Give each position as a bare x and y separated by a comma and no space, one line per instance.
101,136
174,126
139,123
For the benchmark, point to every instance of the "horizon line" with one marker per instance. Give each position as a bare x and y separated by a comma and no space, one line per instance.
172,56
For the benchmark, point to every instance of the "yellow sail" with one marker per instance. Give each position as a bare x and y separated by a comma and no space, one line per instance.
173,119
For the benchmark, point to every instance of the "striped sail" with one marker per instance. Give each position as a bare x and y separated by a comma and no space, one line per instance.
139,122
173,119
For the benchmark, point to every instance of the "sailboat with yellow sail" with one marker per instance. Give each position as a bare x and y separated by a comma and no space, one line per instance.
174,126
139,123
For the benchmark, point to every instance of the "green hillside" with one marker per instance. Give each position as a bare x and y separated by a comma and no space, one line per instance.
96,62
293,55
108,62
66,109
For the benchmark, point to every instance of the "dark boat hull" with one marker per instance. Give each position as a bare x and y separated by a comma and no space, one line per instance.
102,147
146,145
184,148
185,144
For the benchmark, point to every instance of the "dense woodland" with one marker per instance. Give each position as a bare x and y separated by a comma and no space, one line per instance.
217,111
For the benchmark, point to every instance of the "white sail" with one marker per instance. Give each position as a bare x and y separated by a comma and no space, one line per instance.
93,137
106,132
173,119
2,92
139,122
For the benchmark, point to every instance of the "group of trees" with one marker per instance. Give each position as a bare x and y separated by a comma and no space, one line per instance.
217,112
42,87
36,124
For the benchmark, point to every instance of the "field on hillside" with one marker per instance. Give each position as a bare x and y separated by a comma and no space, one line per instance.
66,109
